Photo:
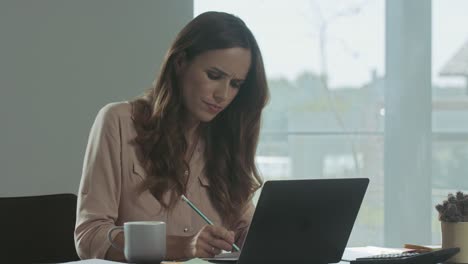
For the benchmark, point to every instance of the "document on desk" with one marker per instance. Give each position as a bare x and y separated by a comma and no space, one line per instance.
93,261
352,253
191,261
195,261
225,257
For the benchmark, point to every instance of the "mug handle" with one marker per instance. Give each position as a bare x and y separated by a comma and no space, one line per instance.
109,236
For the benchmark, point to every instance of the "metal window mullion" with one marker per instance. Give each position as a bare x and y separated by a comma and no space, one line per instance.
408,108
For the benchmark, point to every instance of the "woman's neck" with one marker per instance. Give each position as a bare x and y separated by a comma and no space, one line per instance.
191,130
191,133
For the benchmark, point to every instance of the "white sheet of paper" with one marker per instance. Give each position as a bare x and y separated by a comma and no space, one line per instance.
228,257
93,261
351,253
196,261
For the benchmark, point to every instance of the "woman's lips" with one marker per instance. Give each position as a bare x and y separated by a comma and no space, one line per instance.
213,108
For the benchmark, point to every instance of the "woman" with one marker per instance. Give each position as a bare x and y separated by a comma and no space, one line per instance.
194,133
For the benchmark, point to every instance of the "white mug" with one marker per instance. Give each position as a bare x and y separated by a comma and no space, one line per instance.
145,241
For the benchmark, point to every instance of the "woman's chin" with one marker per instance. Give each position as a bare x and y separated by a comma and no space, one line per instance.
206,117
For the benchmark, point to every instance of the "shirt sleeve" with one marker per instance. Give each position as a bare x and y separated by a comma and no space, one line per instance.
242,225
100,187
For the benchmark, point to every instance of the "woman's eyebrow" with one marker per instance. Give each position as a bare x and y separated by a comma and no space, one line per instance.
219,71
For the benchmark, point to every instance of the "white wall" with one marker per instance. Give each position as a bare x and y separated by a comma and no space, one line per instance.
60,61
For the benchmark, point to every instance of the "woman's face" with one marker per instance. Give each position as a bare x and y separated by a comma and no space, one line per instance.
212,80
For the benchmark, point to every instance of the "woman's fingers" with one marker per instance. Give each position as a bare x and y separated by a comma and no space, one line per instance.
211,240
212,250
206,250
222,233
203,249
220,244
221,238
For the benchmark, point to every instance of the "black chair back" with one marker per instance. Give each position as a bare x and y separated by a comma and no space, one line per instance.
37,229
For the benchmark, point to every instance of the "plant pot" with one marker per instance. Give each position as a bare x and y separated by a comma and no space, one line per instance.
456,235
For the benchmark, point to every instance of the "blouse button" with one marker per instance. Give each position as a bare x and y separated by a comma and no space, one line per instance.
186,230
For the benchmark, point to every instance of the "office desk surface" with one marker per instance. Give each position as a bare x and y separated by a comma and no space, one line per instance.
101,261
350,253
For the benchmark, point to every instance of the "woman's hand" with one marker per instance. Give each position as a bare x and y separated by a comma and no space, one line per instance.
209,241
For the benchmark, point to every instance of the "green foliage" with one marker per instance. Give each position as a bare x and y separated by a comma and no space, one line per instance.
454,209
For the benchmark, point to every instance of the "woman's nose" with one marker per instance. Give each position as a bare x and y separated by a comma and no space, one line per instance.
222,92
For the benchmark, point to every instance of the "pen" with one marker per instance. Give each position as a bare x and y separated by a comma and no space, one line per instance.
203,216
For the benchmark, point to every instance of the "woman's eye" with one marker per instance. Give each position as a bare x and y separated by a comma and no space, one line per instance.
213,76
236,85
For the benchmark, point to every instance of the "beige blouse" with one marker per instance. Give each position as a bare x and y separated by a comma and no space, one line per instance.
108,193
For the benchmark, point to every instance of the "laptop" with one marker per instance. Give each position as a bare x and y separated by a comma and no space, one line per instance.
302,221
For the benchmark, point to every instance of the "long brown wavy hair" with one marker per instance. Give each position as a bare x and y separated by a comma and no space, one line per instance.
230,138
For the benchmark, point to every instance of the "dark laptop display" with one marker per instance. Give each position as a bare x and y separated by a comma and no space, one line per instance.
303,221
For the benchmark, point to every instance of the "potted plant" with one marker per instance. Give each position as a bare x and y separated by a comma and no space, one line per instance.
453,215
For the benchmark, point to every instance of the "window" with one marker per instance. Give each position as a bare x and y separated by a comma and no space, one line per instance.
449,102
335,62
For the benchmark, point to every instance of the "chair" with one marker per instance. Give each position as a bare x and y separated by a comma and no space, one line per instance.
38,229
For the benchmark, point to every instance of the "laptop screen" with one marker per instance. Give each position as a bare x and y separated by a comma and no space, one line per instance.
304,221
